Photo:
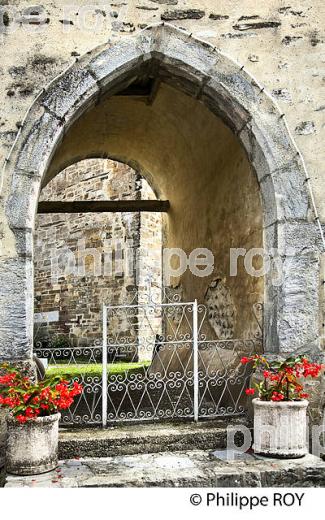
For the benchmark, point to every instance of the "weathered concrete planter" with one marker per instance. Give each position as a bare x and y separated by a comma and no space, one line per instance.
32,448
3,435
280,428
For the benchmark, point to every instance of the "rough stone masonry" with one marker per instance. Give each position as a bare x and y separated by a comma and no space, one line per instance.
69,297
233,84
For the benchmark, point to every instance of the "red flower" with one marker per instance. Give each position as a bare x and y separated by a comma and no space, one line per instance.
30,413
266,374
21,418
77,389
311,369
245,360
27,400
250,391
277,396
7,379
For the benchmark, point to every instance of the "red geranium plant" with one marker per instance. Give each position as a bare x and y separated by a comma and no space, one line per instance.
28,400
282,380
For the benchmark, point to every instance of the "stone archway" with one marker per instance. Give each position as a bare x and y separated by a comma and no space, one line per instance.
200,71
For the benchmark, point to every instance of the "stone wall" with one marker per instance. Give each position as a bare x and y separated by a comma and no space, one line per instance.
279,50
85,260
281,44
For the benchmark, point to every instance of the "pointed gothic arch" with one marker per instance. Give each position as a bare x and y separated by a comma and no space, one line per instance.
227,90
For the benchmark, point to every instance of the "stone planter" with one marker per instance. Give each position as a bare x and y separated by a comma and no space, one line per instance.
280,428
32,448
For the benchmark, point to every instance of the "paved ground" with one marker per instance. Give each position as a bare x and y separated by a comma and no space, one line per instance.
180,469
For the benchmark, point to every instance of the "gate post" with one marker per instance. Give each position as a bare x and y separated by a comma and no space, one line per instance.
195,363
104,369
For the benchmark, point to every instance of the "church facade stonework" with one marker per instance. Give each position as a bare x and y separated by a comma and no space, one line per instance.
220,110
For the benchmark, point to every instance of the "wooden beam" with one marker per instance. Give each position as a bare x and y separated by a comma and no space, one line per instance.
102,206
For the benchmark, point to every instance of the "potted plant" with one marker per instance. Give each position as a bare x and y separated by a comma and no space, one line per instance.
280,410
33,419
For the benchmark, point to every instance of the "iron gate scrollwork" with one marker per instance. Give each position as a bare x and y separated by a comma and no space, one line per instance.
157,360
83,364
157,340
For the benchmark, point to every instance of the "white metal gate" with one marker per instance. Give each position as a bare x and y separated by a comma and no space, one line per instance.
156,361
160,341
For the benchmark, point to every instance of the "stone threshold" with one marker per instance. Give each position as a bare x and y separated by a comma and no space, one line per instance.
198,468
134,439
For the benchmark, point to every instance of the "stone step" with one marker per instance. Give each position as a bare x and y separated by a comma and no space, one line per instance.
146,438
197,468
